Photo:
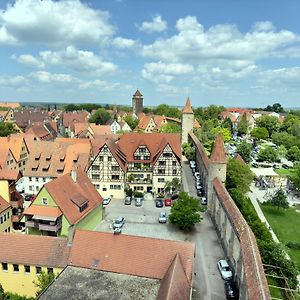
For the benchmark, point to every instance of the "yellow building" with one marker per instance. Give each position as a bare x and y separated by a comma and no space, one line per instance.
24,257
5,216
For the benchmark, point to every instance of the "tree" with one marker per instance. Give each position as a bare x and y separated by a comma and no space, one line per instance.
100,117
283,138
43,281
7,129
260,133
244,150
173,186
185,211
282,152
168,111
170,127
276,107
271,123
293,154
225,132
295,177
238,175
242,126
211,112
131,121
189,151
279,200
268,154
227,123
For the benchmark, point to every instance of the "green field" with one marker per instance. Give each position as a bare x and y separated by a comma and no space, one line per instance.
286,225
288,172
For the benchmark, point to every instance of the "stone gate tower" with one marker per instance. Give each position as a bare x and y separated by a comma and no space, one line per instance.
187,121
137,102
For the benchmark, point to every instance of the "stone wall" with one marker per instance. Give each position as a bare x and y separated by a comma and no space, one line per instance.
237,239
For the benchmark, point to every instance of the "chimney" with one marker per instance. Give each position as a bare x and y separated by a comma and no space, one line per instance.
74,175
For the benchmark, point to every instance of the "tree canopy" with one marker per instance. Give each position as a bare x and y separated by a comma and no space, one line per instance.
260,133
132,122
242,126
100,117
268,154
185,211
87,106
43,280
271,123
279,199
170,127
6,129
276,107
244,150
293,154
168,111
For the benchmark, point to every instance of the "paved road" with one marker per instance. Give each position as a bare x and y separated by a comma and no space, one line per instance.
207,284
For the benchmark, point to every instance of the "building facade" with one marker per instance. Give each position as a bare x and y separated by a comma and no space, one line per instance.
137,102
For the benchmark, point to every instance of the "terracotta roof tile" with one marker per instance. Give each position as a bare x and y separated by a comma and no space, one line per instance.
69,118
64,189
4,205
100,129
187,109
144,121
43,210
26,117
148,257
33,250
10,104
7,174
174,285
80,127
218,154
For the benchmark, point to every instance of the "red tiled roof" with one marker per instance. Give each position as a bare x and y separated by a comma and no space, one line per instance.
10,104
4,205
64,189
43,210
70,118
7,174
33,250
174,285
133,255
137,93
218,154
187,109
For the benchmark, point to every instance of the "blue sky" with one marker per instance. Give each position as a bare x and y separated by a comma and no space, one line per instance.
231,53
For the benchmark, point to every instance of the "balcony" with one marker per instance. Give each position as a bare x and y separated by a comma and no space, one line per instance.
16,218
140,181
52,226
16,203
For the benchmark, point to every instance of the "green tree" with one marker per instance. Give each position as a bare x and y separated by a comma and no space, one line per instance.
225,132
286,139
185,211
211,112
227,123
271,123
295,177
172,186
276,107
100,117
244,150
189,151
6,129
282,152
293,154
268,154
43,280
168,111
242,126
170,127
260,133
132,122
279,199
238,175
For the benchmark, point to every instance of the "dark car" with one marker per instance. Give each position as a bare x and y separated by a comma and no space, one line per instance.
27,197
231,290
127,200
159,203
285,166
174,197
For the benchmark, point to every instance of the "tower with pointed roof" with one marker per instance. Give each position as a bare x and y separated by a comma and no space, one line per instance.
137,102
187,121
217,165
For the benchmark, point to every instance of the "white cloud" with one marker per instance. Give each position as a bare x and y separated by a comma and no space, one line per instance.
123,43
264,26
288,77
12,81
157,25
47,77
28,59
53,22
99,84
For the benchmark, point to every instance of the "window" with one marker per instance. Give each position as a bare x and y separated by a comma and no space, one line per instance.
100,158
97,186
95,176
27,269
36,179
161,163
115,177
147,157
4,267
95,168
1,220
174,163
30,178
115,187
109,158
7,215
50,270
137,157
174,172
161,180
4,217
16,268
104,189
30,188
37,188
38,270
115,168
161,172
45,201
83,207
167,154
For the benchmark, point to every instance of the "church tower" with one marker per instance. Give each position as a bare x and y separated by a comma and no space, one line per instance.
187,121
137,102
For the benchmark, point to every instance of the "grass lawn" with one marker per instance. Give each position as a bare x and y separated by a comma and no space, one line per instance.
284,171
286,225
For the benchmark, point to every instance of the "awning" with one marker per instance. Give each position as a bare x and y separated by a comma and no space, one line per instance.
43,212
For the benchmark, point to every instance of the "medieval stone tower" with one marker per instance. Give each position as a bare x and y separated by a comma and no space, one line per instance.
137,102
187,121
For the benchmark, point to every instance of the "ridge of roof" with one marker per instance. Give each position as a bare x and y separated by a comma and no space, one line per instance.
187,109
218,154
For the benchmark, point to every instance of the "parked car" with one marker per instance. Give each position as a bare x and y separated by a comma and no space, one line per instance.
159,203
106,200
224,269
203,201
200,193
162,217
127,200
231,290
174,196
27,197
192,163
193,169
285,166
138,201
197,175
32,198
168,202
119,222
198,186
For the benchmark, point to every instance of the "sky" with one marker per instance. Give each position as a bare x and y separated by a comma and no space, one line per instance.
233,53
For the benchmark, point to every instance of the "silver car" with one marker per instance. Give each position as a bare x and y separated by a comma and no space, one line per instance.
119,222
162,217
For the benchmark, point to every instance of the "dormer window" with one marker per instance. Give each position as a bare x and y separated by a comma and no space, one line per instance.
38,156
83,207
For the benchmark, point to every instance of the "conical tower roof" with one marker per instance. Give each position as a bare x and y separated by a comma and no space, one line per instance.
137,93
187,109
218,154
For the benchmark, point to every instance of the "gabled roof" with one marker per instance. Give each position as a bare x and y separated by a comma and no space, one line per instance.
187,109
137,93
33,250
80,127
149,257
14,143
4,205
99,129
43,211
26,117
144,121
6,174
174,285
64,190
218,154
69,118
10,104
